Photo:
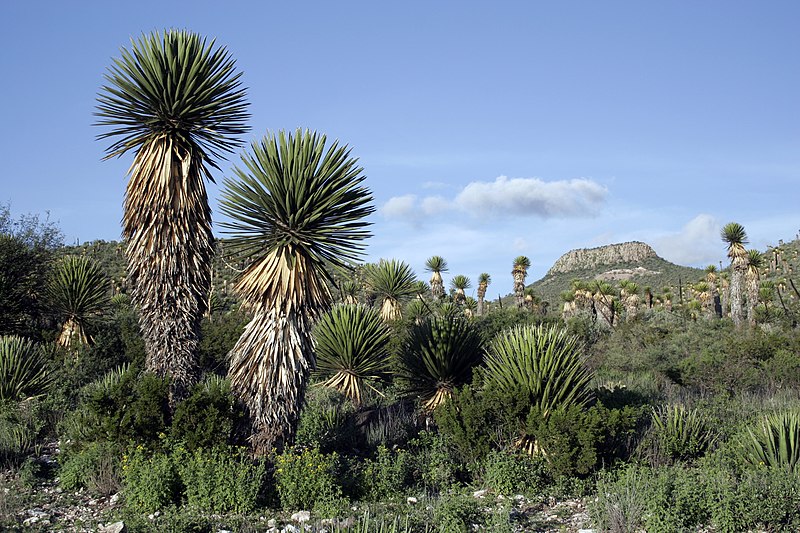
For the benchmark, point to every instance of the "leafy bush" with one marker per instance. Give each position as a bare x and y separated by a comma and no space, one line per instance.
18,432
208,417
24,369
387,475
307,479
456,513
507,472
436,464
217,337
221,480
96,468
326,421
151,480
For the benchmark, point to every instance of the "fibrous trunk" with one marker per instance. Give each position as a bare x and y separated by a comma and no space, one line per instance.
167,226
270,364
737,277
437,285
519,288
752,299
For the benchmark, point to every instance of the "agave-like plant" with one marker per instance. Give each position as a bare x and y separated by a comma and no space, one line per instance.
775,442
391,281
417,310
349,290
297,209
459,284
78,293
546,363
24,371
681,433
352,349
436,265
439,356
177,101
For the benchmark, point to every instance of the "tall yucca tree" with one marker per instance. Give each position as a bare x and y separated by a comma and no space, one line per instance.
78,292
711,278
175,100
752,279
735,236
520,272
392,282
436,265
484,279
297,209
459,284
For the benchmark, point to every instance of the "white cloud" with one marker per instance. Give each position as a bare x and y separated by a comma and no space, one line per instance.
505,197
697,243
399,206
532,196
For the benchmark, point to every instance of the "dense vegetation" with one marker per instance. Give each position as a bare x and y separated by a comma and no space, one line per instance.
283,376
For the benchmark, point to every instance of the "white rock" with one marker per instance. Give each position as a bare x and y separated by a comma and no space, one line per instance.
271,522
116,527
114,499
301,516
587,531
291,529
411,500
479,493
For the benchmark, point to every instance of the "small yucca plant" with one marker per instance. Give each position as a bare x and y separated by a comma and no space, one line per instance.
78,293
438,356
681,433
24,369
546,363
391,281
775,442
351,347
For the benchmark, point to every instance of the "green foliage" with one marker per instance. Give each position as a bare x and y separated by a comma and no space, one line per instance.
774,442
78,293
221,479
546,362
351,349
24,369
151,480
437,466
120,407
436,263
326,421
438,356
19,429
218,336
97,467
512,472
387,475
456,513
208,417
307,479
679,434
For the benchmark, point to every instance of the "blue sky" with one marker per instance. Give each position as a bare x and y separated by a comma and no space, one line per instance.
486,130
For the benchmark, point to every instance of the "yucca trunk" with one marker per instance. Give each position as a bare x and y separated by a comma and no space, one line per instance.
391,310
519,288
270,364
481,296
437,285
738,269
631,307
167,227
752,297
72,334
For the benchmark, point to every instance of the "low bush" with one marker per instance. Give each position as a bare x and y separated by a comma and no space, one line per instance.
513,472
97,467
308,479
151,480
387,475
208,417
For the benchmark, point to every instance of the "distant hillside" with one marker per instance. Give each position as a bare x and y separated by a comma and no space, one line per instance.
635,261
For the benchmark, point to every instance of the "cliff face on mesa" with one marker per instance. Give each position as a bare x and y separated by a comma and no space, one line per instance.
592,258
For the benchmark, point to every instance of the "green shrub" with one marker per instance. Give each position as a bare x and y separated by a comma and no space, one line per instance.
18,432
387,475
774,442
221,480
621,502
307,479
217,337
456,513
150,479
208,417
507,472
436,462
96,468
326,421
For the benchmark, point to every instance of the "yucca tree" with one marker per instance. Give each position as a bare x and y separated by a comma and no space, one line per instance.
629,296
484,279
470,305
520,272
349,291
78,292
351,344
296,210
605,298
436,265
752,278
176,101
439,356
392,282
766,293
544,364
736,237
703,292
459,284
711,278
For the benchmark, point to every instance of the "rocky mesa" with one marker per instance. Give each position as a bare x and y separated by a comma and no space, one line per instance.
593,258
